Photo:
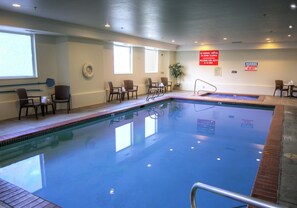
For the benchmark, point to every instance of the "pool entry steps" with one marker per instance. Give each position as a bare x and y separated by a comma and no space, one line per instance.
203,90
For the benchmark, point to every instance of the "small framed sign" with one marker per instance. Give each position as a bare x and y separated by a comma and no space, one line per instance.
251,66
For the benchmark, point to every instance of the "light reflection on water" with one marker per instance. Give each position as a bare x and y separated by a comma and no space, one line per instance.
146,158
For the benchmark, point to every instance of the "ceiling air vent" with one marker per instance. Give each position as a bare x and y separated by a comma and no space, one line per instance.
237,42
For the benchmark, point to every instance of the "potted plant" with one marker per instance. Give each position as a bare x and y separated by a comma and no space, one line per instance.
177,73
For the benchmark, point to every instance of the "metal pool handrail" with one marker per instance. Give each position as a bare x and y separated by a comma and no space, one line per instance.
215,88
238,197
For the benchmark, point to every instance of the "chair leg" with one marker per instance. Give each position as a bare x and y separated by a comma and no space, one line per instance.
109,97
20,112
281,93
136,94
27,111
119,97
68,107
53,108
274,92
35,109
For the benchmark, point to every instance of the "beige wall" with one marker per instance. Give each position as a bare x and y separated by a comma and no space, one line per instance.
62,58
273,64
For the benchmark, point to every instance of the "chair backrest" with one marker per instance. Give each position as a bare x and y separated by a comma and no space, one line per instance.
279,84
22,94
62,92
128,84
164,80
150,82
110,86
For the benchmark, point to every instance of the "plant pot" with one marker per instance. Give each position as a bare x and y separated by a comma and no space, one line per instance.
176,87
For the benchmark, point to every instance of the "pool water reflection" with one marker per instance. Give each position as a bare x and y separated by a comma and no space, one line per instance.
149,157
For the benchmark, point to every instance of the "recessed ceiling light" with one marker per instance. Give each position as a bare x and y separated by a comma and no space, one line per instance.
107,25
290,26
289,35
225,38
149,35
196,42
173,41
268,39
16,5
293,6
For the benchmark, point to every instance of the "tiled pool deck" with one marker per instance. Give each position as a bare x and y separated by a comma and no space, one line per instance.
277,175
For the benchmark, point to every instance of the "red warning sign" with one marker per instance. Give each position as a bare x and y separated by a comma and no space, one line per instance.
209,58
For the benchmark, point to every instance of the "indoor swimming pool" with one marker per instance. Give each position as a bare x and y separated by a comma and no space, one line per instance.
147,157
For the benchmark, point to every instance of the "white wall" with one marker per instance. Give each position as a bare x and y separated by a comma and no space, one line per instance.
273,64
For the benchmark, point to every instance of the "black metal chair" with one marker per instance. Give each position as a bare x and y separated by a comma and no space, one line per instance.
167,84
27,102
62,95
130,88
115,91
279,85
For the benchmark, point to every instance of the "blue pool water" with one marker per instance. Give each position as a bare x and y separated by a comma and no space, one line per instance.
232,96
146,158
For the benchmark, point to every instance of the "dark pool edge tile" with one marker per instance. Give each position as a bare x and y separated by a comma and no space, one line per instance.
266,185
22,198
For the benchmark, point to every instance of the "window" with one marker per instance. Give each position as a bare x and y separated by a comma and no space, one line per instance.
122,59
151,61
17,52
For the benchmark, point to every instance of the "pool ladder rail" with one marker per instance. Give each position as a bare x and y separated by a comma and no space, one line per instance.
235,196
205,91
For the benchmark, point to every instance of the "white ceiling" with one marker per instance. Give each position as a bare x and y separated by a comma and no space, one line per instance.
187,21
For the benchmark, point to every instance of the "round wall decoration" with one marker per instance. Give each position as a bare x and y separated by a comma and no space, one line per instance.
88,70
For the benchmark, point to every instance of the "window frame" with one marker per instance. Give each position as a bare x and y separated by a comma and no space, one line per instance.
33,58
130,59
156,70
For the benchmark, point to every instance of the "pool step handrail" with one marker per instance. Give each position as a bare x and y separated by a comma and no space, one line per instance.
206,91
235,196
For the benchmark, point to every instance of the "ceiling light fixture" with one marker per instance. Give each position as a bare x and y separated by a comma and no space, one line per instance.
289,35
293,6
196,42
268,39
173,41
290,26
225,38
16,5
107,25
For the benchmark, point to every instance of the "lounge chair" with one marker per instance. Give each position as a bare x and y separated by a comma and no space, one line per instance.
130,88
62,95
279,85
27,102
115,91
